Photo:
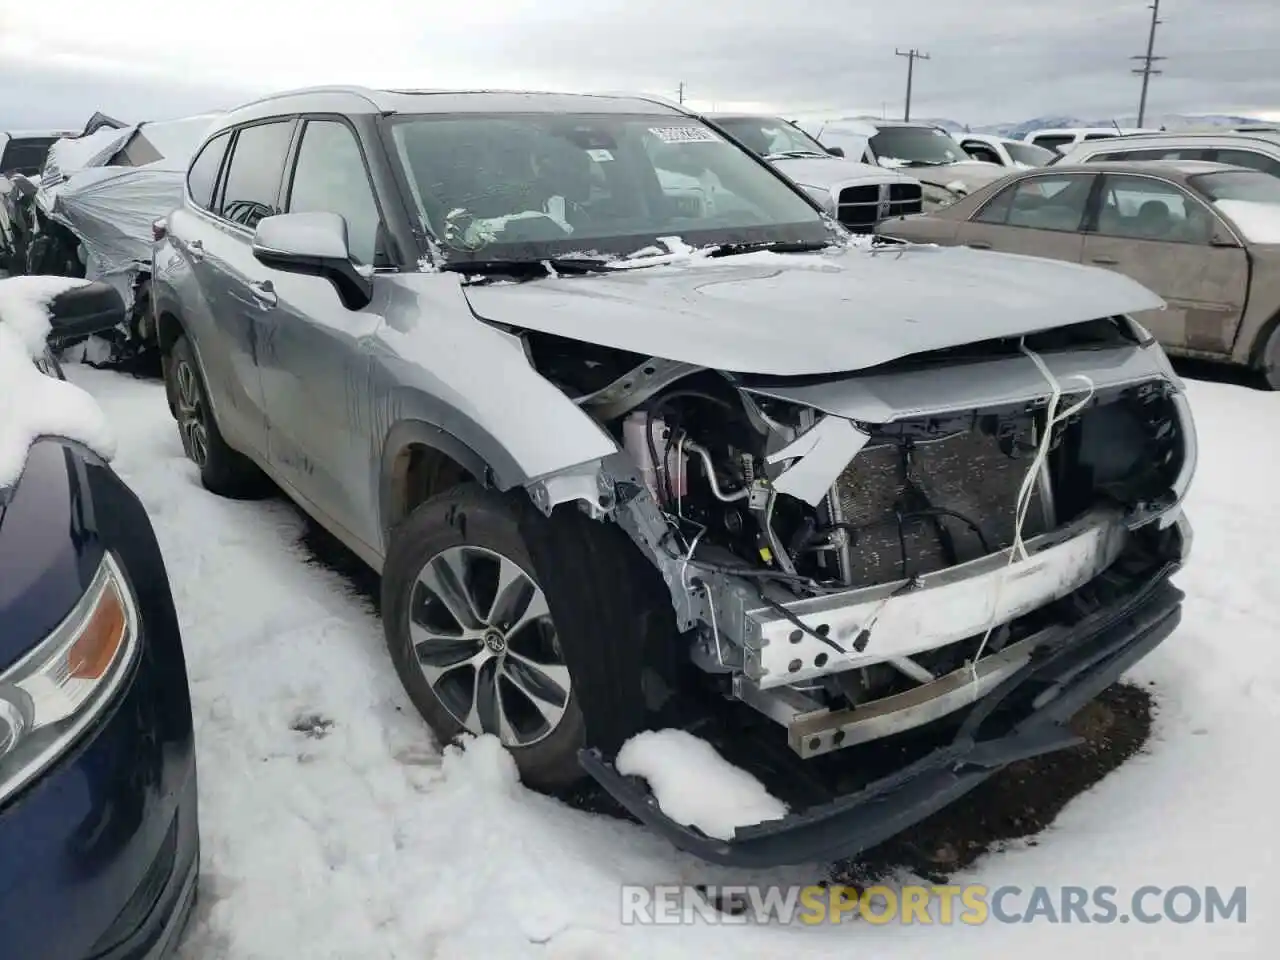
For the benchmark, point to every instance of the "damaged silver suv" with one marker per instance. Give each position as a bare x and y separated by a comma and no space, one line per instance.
628,454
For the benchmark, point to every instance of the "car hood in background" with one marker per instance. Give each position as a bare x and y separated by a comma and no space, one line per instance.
803,314
972,175
828,172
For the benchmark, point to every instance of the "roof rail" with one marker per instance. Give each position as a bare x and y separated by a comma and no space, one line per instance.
364,93
647,97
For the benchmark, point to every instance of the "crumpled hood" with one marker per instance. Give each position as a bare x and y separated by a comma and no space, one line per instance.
831,172
798,314
973,174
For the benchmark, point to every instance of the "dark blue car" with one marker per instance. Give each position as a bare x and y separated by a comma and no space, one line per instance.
99,846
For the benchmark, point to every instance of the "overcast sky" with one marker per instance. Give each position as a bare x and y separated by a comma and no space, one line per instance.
992,61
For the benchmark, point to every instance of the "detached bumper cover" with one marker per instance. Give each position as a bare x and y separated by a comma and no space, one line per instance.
1069,669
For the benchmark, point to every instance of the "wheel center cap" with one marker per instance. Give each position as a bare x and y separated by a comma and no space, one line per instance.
495,641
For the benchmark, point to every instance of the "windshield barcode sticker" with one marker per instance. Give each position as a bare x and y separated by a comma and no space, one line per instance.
684,134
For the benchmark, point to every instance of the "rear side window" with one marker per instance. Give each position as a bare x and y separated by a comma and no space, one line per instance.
253,179
1248,158
330,177
203,175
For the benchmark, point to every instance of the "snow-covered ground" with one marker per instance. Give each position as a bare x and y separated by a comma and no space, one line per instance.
352,837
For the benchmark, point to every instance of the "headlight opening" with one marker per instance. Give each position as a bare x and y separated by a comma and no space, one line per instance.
54,693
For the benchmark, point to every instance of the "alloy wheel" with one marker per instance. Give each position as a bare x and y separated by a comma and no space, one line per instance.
483,637
192,423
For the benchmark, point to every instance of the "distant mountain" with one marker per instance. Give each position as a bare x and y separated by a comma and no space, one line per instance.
1169,121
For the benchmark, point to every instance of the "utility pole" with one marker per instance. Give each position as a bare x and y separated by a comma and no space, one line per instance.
912,56
680,93
1147,60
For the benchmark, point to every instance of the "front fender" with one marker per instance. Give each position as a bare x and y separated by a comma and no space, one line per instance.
453,382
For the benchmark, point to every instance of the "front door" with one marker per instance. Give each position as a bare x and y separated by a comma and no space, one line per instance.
1040,215
1171,242
315,374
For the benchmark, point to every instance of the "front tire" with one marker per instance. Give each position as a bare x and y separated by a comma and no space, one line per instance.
541,631
223,471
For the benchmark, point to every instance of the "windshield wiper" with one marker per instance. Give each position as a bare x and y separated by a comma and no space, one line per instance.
772,246
527,269
796,155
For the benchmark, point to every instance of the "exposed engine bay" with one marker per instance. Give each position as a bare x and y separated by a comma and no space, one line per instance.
855,577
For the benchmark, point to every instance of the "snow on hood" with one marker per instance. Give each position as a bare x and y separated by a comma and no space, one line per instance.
32,404
828,172
801,314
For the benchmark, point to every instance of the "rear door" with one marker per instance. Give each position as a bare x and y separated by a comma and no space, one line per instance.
249,192
1168,240
314,372
1040,214
191,266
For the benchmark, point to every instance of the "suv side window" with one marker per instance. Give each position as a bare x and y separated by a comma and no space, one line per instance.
253,179
203,175
1041,203
1144,208
330,177
1247,158
1161,153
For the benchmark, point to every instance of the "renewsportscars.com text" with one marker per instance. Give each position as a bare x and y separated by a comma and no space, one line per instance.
970,905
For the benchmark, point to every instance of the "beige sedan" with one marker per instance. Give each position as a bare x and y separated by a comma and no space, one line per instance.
1204,236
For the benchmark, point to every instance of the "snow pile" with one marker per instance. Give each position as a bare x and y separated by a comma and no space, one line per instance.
696,786
32,404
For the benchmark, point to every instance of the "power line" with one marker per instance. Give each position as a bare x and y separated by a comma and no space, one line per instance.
1147,60
912,56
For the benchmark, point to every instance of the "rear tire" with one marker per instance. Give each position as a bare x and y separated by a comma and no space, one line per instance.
223,471
608,630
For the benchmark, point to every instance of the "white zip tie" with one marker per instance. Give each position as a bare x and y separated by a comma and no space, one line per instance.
1018,549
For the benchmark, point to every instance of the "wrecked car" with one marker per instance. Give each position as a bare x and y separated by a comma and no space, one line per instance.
859,195
624,462
99,197
928,153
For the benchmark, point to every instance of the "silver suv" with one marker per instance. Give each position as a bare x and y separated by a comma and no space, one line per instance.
629,455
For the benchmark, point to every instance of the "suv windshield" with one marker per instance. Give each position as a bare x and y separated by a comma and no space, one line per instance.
535,186
770,137
916,147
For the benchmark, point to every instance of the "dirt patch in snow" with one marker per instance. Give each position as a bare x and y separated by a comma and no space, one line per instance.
1020,801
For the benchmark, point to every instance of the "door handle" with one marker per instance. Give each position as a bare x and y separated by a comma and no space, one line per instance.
264,292
195,249
978,245
1107,261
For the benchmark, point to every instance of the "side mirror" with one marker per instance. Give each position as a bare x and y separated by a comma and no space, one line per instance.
83,311
836,151
314,244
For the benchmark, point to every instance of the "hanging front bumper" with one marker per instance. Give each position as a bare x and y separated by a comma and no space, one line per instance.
1068,667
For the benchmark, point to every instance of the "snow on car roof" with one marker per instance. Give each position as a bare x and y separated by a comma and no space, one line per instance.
33,405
